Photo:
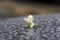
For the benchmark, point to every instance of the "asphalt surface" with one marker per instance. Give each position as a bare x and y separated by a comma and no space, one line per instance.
15,28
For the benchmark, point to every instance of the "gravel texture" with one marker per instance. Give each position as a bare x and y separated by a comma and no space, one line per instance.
15,28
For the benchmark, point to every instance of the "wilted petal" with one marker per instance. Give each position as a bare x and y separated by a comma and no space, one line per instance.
32,25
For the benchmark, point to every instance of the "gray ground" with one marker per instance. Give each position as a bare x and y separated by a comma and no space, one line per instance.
15,28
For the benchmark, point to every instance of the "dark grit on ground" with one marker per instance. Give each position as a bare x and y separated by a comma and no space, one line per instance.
15,28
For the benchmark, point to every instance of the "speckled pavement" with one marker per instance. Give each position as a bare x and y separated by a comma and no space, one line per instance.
15,28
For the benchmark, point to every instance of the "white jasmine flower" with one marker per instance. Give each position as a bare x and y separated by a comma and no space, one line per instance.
29,20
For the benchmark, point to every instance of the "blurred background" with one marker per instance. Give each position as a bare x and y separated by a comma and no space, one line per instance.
14,8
